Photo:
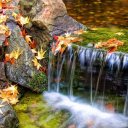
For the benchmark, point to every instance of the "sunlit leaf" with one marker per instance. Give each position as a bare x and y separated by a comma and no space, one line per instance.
3,18
36,63
16,53
40,54
28,39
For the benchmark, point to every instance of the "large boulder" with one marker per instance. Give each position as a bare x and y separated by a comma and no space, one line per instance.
8,117
22,71
51,13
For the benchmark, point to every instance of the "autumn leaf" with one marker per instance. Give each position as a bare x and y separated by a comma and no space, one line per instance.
36,63
28,39
3,18
12,88
9,94
16,53
20,19
40,54
4,30
34,51
32,44
14,101
23,32
24,20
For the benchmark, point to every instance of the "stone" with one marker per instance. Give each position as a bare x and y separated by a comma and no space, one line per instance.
3,78
2,72
52,14
22,71
8,117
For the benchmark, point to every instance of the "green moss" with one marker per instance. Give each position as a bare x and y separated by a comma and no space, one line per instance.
33,112
104,34
38,82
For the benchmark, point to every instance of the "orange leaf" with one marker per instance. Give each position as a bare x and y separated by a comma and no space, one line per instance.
12,61
7,58
113,49
6,42
23,33
33,44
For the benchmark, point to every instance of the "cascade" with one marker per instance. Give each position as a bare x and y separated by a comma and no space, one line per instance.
98,78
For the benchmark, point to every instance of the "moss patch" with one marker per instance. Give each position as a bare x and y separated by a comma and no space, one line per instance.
104,34
33,112
39,82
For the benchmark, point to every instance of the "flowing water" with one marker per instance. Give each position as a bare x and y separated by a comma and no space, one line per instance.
96,78
84,115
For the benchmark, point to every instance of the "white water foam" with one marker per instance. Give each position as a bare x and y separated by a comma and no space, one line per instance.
85,115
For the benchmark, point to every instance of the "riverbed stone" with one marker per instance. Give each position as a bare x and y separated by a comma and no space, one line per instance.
8,117
52,14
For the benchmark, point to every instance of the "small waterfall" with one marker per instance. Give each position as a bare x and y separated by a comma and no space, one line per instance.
90,73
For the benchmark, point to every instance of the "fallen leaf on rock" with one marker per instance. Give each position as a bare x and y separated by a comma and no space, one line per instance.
36,63
9,94
28,39
40,54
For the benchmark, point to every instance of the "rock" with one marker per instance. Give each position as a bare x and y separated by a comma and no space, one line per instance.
3,78
52,14
22,71
8,118
2,72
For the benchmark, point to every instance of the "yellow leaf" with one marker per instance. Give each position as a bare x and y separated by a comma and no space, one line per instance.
23,20
3,18
28,39
12,89
14,15
15,53
40,54
14,101
36,63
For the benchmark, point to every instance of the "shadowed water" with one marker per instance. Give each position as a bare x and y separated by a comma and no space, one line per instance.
97,13
84,115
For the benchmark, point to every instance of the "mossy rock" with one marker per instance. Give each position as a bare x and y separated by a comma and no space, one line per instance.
103,34
38,82
33,112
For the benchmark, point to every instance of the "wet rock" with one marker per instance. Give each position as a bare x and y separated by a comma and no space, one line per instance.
8,118
22,71
2,72
52,14
2,75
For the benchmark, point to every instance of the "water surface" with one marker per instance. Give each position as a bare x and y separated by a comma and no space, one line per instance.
99,13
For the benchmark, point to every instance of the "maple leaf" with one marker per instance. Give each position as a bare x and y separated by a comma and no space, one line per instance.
4,29
23,33
3,18
12,89
40,54
9,95
6,42
14,101
28,39
16,53
36,63
34,51
23,20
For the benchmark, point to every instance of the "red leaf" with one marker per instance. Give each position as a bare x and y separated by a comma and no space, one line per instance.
33,44
6,42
